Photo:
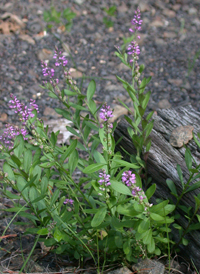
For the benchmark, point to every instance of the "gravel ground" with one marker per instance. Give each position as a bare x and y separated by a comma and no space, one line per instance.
170,38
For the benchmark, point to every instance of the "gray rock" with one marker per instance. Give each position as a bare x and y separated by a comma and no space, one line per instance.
122,270
148,266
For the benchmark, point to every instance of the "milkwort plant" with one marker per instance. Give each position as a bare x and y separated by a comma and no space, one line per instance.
106,215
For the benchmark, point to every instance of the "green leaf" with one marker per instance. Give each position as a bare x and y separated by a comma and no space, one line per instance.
78,107
16,160
66,114
172,187
119,241
144,226
39,198
73,131
184,241
53,139
146,100
27,160
156,217
193,187
54,197
73,161
99,217
28,216
52,95
69,150
70,93
120,187
147,236
159,207
7,169
151,245
33,194
57,235
91,90
43,231
19,144
194,227
188,158
149,128
11,195
125,164
37,172
99,157
150,191
93,168
21,185
180,175
127,247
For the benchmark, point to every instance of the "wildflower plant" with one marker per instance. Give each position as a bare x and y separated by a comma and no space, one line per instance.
106,215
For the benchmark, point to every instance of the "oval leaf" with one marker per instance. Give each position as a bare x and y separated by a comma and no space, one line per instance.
99,217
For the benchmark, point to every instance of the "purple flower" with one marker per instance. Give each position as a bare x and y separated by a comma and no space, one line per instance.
136,21
134,50
128,178
24,112
47,71
105,178
60,58
68,201
105,113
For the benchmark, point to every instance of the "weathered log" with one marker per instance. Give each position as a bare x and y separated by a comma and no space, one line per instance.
162,162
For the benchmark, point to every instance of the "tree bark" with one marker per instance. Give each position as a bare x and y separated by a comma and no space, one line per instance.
162,162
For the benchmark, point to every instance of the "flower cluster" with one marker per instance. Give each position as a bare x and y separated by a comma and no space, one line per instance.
130,180
68,201
133,48
105,114
24,112
136,21
50,72
60,58
105,178
47,71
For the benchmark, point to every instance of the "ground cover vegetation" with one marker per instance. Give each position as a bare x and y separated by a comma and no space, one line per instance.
106,216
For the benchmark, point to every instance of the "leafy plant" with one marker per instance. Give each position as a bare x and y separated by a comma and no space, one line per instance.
111,12
106,215
60,18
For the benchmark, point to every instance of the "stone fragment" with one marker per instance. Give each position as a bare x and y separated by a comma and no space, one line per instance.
45,54
122,270
169,34
169,13
157,23
27,38
192,11
148,266
164,104
114,88
118,111
51,112
122,66
3,117
181,135
75,73
176,82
